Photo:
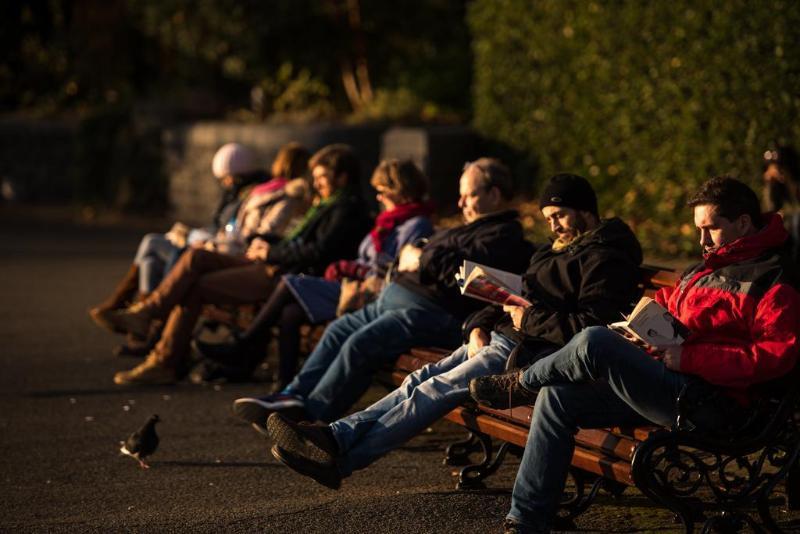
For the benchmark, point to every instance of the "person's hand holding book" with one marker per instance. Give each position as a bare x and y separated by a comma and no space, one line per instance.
516,313
670,356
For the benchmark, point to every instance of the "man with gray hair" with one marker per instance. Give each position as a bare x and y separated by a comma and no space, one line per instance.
423,305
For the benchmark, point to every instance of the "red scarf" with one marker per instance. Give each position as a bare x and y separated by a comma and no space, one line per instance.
386,221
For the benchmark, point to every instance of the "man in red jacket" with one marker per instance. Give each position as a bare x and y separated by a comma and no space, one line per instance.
742,309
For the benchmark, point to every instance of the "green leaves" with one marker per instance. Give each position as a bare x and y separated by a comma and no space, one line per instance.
647,99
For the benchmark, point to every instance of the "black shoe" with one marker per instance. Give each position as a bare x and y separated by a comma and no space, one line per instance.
501,391
256,410
309,449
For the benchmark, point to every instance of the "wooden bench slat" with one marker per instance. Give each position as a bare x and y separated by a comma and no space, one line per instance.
613,468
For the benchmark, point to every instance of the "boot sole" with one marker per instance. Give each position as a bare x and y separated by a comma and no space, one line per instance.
253,413
303,468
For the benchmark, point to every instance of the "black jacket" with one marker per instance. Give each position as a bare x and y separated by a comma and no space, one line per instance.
495,240
590,282
333,234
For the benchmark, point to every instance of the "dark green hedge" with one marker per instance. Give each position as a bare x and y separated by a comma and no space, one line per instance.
647,99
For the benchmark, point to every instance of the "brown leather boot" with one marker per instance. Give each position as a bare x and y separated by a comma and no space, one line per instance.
132,320
121,297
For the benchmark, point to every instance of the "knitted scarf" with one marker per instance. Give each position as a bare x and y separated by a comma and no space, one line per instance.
312,213
387,221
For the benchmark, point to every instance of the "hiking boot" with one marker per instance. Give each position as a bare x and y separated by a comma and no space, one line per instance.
309,449
501,391
150,372
256,410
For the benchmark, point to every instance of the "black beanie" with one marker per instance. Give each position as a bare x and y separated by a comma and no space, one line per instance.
569,191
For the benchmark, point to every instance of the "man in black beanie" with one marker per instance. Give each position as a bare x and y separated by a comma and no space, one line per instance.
587,276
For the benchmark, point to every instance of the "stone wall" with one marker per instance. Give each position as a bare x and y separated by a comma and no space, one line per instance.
440,151
112,162
189,149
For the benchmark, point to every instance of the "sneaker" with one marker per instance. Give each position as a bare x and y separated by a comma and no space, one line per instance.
501,391
309,449
256,410
150,372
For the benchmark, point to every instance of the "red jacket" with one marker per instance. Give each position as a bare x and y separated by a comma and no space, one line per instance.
743,314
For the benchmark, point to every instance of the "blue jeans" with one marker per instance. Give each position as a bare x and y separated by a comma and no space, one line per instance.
425,396
155,256
355,346
597,380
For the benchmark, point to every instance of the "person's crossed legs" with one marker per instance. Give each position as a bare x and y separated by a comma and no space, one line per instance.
329,452
597,380
341,366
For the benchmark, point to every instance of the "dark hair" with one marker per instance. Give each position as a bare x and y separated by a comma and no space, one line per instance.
785,157
493,173
291,161
731,197
338,159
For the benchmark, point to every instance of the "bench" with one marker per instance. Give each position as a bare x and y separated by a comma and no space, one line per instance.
720,482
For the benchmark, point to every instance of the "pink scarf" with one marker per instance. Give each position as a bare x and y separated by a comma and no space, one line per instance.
269,186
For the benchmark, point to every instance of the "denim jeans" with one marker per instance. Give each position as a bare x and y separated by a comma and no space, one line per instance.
340,368
155,256
597,380
425,396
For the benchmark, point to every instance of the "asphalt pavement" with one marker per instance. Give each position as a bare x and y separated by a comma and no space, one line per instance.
62,418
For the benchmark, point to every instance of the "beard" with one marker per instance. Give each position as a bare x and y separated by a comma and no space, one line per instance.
569,235
775,194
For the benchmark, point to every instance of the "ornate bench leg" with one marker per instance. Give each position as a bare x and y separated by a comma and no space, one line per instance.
765,513
457,453
472,476
574,505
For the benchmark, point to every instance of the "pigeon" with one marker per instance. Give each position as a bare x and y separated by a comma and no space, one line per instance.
142,443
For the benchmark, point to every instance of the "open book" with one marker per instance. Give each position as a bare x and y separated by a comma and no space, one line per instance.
491,285
653,324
